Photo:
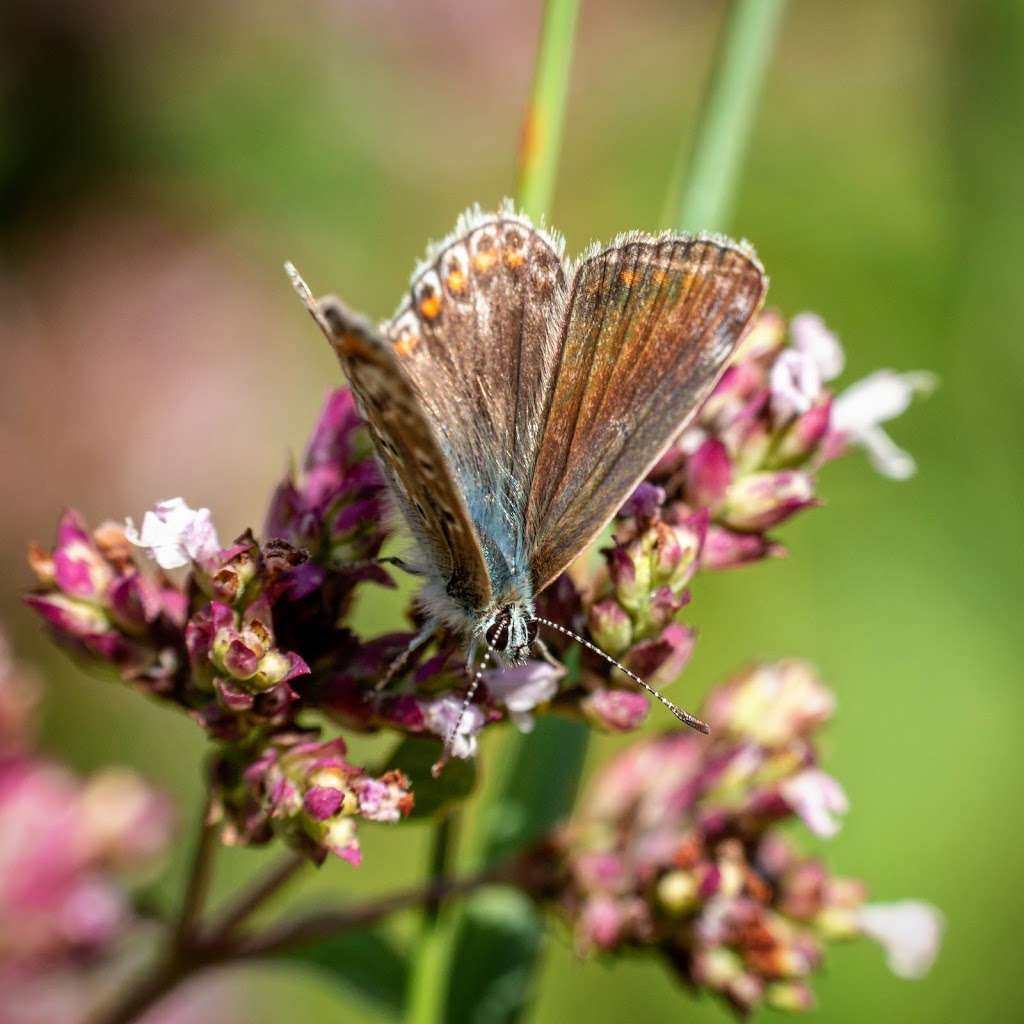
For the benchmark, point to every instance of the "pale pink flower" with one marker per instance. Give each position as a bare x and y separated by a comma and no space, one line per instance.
811,337
859,411
522,688
175,534
440,716
818,799
799,372
795,382
909,931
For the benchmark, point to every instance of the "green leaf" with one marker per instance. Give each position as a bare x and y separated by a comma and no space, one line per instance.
365,961
541,780
500,933
495,954
415,756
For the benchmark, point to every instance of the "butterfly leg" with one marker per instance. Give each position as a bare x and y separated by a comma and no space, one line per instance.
398,563
545,652
422,637
401,563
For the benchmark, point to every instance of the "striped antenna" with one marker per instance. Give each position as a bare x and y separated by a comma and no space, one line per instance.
684,716
449,743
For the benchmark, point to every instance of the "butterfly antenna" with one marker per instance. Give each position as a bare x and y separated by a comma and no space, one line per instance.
684,716
449,742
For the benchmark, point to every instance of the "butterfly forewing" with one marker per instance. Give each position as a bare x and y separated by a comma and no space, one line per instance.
411,454
474,336
649,326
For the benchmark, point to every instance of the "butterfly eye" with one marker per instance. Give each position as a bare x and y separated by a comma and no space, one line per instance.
531,630
497,632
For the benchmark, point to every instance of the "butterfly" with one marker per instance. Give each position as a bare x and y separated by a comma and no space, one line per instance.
516,399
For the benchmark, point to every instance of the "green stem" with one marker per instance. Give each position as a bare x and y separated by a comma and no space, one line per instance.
540,145
427,985
544,119
701,198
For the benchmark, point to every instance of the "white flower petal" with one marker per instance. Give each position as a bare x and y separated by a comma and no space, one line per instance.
440,717
812,337
522,687
795,383
879,397
175,534
522,720
909,931
887,457
858,412
818,799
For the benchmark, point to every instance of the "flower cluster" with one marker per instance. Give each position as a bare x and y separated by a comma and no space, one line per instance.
745,465
254,639
222,641
677,848
771,423
306,792
68,847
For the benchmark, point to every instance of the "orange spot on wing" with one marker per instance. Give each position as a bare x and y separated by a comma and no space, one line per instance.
659,276
456,281
406,344
430,306
627,277
485,259
514,258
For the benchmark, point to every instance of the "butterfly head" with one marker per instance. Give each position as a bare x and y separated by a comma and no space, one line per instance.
510,631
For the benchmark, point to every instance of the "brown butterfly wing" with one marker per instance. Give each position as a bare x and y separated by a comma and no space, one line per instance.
475,337
649,327
410,453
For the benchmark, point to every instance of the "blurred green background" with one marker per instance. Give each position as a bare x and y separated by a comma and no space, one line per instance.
159,162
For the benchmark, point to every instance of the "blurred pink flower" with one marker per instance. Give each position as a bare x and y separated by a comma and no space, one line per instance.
818,799
909,931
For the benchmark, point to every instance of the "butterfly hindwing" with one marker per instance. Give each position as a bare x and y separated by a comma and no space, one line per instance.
473,336
649,326
411,454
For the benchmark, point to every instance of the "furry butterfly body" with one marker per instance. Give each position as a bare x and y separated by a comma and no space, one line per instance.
516,400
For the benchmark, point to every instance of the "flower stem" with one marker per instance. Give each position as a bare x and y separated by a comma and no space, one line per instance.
311,928
427,987
544,118
200,873
702,196
150,989
220,950
254,898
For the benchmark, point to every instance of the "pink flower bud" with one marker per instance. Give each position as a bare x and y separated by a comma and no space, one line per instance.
615,710
628,572
772,703
66,615
610,627
802,437
708,473
79,569
726,549
791,996
762,500
322,802
662,659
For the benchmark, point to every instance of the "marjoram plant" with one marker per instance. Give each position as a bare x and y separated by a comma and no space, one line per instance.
683,846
